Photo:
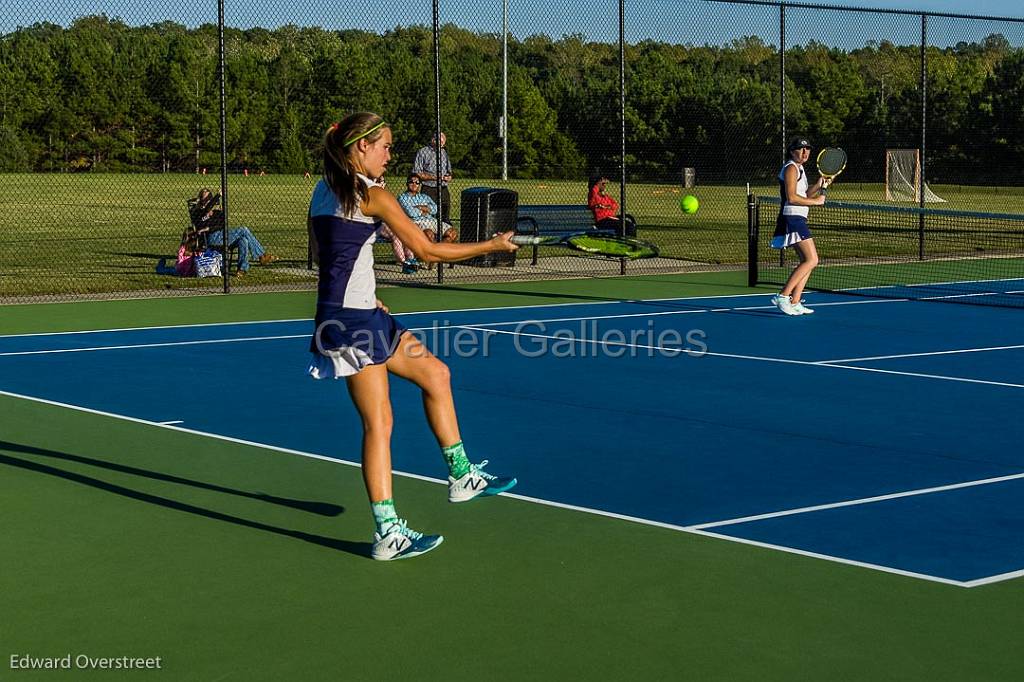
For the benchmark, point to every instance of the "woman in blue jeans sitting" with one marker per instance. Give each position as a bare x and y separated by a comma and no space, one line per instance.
210,221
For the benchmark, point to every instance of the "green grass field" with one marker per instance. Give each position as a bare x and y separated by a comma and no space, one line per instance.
235,562
64,235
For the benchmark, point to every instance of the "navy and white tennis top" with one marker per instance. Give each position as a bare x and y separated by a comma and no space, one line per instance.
346,250
801,190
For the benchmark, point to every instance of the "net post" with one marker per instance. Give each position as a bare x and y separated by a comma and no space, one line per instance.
920,234
753,233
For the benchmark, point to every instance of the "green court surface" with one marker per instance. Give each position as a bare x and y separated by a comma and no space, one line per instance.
235,562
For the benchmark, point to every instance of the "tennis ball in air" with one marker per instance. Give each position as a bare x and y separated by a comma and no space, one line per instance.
689,204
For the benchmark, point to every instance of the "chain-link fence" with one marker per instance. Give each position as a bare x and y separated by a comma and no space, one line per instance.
112,119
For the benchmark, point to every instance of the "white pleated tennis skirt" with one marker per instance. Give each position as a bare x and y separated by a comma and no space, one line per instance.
789,230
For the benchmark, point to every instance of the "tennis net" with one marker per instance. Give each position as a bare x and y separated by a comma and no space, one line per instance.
898,252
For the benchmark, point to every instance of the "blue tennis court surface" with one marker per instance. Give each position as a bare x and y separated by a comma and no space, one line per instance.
878,433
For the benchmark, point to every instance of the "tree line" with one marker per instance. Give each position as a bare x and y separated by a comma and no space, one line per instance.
103,96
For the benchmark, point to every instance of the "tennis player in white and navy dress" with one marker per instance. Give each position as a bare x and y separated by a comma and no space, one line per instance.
791,225
351,331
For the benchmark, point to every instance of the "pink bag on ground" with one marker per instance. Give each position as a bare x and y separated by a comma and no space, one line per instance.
186,263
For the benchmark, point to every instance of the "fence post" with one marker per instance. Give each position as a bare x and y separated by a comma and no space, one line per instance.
439,233
924,119
782,73
225,268
622,119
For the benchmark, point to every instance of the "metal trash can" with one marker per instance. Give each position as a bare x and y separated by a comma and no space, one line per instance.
485,211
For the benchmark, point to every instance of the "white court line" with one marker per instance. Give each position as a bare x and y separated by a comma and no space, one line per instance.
963,281
165,344
988,580
405,314
935,284
200,342
164,326
459,310
973,295
807,363
171,423
479,326
510,307
857,502
922,375
920,355
660,313
835,559
738,356
693,530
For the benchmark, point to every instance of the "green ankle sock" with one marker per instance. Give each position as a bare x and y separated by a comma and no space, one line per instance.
384,513
455,458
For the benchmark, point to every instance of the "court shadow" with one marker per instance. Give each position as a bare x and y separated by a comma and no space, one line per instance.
321,508
357,548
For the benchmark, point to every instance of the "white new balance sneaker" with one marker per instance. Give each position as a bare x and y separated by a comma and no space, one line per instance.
784,304
802,309
401,542
477,483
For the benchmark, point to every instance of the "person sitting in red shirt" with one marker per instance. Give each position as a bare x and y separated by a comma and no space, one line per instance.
606,209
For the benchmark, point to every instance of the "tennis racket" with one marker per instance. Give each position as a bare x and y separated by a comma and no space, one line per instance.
601,245
831,162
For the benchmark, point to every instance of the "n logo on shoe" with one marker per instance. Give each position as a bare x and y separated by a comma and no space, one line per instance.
399,543
475,483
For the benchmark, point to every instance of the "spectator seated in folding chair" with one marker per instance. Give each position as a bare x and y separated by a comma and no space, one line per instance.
423,211
192,244
208,222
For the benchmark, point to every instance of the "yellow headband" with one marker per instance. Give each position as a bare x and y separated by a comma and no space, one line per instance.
359,137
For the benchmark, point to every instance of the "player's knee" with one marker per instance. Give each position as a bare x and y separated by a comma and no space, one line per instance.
442,373
439,377
379,425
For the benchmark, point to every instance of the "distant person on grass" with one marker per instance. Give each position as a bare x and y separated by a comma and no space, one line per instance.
791,226
209,220
358,340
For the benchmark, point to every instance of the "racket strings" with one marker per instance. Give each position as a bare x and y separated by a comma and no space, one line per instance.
831,161
616,247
